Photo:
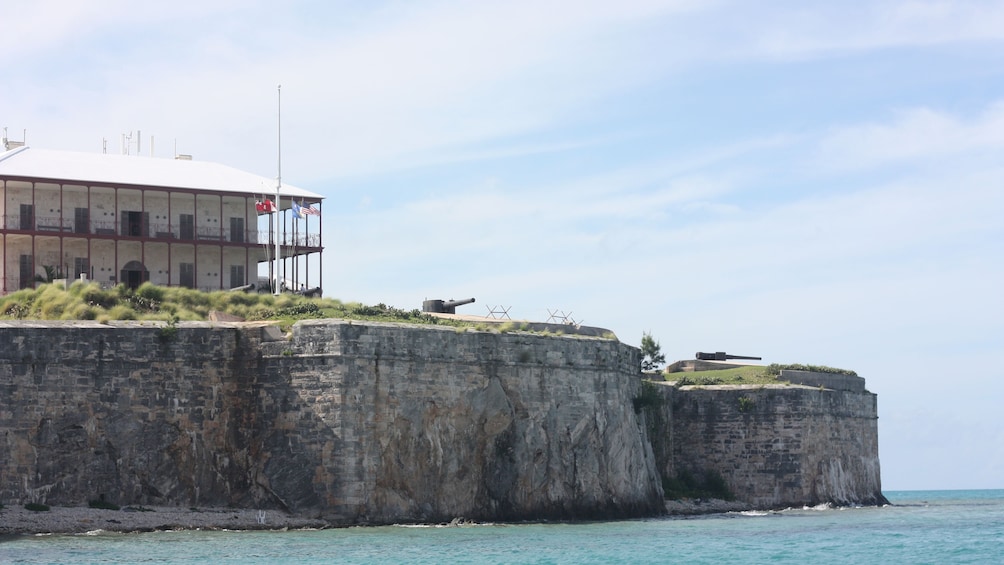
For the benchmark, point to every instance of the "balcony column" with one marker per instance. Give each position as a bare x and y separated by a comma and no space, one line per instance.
320,255
170,239
221,242
90,267
144,231
195,240
66,268
247,248
117,222
34,224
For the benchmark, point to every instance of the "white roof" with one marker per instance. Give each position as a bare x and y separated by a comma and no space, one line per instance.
101,169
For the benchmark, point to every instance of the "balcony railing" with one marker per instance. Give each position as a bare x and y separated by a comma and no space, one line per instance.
288,239
157,231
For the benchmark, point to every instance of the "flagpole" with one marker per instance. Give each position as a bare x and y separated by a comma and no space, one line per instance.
278,184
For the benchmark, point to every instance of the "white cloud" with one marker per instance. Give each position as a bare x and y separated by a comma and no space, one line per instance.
827,29
916,134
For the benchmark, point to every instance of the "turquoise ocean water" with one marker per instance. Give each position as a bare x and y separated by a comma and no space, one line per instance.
920,527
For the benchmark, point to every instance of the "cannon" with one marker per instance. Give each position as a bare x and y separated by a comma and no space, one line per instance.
444,306
722,356
244,288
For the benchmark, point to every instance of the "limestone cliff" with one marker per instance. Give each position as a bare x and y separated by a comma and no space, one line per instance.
364,423
358,423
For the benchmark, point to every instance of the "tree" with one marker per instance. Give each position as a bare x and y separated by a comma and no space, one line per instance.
651,353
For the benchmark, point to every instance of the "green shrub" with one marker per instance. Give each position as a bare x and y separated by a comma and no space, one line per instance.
36,507
746,403
151,292
650,397
16,310
92,295
79,311
122,312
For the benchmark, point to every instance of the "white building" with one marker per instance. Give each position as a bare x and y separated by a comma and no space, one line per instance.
131,219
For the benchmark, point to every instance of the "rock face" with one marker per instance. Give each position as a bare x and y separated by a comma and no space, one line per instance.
368,423
356,423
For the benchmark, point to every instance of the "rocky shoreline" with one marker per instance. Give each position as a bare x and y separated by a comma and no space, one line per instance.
75,520
78,519
699,506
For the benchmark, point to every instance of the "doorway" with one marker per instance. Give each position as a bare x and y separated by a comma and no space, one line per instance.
134,274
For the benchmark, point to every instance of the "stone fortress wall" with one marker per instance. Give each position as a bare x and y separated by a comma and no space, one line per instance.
366,423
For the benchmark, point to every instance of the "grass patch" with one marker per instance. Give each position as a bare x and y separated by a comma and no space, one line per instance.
747,375
88,301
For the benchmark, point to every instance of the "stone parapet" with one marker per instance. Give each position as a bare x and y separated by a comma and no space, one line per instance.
834,381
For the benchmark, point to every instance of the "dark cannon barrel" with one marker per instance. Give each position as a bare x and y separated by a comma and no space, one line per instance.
444,306
722,356
455,303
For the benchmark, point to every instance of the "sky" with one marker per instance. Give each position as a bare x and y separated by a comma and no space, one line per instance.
807,181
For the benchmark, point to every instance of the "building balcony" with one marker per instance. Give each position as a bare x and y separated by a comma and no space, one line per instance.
50,225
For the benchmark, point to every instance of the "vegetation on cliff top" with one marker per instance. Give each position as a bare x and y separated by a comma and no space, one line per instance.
651,353
88,301
747,375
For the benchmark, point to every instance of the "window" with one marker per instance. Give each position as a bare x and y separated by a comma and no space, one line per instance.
27,270
187,275
237,276
187,226
237,230
27,217
134,224
81,220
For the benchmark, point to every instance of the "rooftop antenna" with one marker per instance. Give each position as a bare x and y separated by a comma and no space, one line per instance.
278,185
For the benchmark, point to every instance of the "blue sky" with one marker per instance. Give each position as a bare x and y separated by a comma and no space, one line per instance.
811,182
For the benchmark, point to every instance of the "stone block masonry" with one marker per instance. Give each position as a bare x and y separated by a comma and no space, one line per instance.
776,446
